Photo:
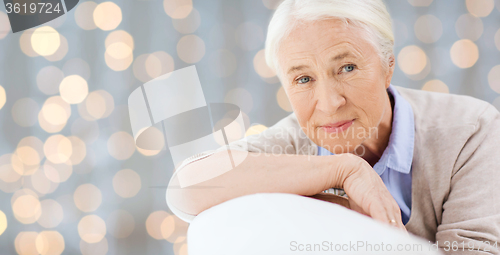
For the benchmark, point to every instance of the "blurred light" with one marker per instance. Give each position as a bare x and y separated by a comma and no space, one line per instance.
33,142
126,183
271,4
79,150
26,209
154,140
464,53
25,243
99,248
261,67
255,129
178,9
25,43
249,36
190,49
87,198
58,149
494,78
139,68
153,66
88,131
283,101
120,224
234,131
149,66
41,183
61,51
121,145
480,8
54,114
412,60
119,36
84,15
45,41
497,39
57,173
154,222
240,97
436,86
76,66
180,248
7,172
29,156
469,27
3,97
174,229
73,89
52,214
420,3
3,222
4,25
92,228
107,16
25,111
49,243
428,28
99,104
223,63
120,50
48,80
189,24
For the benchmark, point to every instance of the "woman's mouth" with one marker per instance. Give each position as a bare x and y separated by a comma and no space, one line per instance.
338,126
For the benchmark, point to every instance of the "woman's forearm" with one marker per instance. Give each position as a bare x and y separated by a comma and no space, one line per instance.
284,173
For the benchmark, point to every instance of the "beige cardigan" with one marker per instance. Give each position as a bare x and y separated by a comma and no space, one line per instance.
455,170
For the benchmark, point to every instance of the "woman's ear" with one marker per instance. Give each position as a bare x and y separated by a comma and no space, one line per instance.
390,70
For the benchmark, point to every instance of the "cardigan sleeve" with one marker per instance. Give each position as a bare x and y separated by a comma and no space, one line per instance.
471,212
284,137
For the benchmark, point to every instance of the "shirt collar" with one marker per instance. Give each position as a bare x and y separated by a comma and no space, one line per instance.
398,155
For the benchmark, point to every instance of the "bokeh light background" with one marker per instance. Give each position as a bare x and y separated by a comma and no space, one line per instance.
72,180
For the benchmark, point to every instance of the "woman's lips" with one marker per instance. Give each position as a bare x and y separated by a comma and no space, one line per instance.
338,126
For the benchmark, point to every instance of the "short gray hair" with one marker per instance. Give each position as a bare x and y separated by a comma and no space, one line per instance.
370,15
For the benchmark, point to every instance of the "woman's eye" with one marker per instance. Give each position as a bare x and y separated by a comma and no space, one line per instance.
304,79
348,68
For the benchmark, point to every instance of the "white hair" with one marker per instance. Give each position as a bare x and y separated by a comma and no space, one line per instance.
370,15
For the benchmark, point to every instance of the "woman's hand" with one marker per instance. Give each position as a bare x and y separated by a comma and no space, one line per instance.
367,192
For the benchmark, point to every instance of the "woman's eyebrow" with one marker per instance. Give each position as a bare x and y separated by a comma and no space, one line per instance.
341,56
296,68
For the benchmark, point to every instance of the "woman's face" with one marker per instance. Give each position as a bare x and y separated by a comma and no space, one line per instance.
335,82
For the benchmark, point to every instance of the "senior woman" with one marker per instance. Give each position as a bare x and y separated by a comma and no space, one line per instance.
422,161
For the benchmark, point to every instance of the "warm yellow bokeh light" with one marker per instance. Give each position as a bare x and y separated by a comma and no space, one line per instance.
107,16
49,243
436,86
189,24
84,15
3,97
45,41
87,197
3,222
191,49
428,28
464,53
25,243
494,78
174,229
283,101
153,224
60,52
121,145
73,89
54,114
57,173
48,80
28,155
255,129
78,149
119,36
120,224
119,50
261,67
412,60
480,8
271,4
126,183
25,43
58,149
52,214
178,9
92,228
42,184
4,25
469,27
27,209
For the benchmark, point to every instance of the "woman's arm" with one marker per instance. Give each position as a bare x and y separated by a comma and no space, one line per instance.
285,173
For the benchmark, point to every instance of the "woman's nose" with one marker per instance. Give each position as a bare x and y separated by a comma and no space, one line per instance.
330,98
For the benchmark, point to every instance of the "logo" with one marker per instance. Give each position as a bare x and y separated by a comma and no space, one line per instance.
174,103
25,14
